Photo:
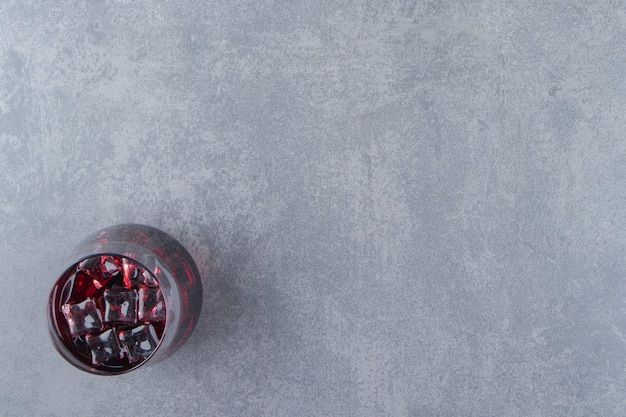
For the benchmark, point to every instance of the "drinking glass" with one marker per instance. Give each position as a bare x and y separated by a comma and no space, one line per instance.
129,295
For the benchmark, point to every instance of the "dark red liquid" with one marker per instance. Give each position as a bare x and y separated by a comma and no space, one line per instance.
117,278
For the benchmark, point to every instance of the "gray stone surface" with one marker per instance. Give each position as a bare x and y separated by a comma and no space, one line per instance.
399,208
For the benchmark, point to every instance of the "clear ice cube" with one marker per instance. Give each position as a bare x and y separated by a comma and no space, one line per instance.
146,278
110,266
89,265
82,317
151,305
139,342
66,292
135,275
131,273
104,347
89,276
120,305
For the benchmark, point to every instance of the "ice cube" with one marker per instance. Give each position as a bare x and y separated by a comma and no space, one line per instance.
151,305
120,305
139,342
89,276
147,279
104,347
131,273
99,270
66,292
82,317
89,265
110,266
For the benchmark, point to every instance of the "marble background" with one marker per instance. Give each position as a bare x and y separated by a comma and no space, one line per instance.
399,208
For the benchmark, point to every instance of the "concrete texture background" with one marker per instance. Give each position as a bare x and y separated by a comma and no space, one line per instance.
399,208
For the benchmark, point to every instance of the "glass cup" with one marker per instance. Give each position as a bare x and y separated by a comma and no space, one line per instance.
129,295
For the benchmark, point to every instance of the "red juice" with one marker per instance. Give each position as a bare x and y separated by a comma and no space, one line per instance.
99,296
